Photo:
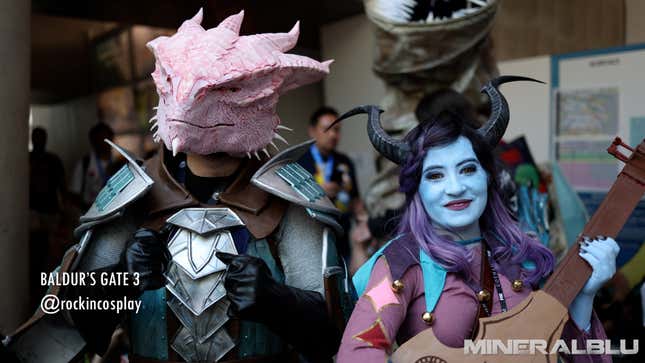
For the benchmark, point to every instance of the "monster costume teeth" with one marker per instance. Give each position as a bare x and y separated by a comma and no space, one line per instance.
428,11
218,91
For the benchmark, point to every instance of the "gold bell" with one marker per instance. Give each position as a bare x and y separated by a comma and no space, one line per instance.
483,295
518,285
397,285
428,317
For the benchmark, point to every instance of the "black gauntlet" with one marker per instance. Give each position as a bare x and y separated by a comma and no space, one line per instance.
299,316
145,254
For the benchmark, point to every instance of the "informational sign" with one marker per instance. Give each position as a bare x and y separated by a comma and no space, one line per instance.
586,164
587,121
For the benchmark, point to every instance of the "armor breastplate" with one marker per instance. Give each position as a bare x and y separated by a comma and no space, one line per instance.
196,281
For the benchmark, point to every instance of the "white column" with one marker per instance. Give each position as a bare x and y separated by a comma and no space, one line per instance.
15,45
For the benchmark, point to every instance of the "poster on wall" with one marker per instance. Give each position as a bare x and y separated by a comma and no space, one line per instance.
587,121
588,112
586,164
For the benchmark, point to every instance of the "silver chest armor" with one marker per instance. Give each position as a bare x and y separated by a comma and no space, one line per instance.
196,281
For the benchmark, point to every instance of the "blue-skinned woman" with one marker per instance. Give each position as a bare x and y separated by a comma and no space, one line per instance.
454,234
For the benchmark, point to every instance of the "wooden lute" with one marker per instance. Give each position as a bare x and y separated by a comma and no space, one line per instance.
543,314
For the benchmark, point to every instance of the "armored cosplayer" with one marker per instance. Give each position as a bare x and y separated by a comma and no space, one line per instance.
234,250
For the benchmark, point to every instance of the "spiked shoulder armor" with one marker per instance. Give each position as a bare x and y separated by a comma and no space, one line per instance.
128,184
283,177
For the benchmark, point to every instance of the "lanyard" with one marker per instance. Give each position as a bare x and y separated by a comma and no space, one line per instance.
498,285
326,166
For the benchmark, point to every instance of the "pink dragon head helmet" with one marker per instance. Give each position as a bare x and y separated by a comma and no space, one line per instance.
218,91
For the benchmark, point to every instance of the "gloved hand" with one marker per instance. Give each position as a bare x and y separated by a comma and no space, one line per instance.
147,254
601,254
248,284
298,316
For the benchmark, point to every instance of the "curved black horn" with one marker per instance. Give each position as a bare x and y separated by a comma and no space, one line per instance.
393,149
494,128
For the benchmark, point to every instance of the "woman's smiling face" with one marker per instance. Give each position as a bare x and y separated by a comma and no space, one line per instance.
454,185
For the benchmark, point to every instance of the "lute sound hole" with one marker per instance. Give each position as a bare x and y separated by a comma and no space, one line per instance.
430,359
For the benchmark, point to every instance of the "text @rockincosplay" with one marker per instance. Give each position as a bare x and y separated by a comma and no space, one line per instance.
52,304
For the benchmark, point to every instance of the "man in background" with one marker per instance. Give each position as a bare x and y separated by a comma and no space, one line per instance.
333,170
46,192
47,176
94,169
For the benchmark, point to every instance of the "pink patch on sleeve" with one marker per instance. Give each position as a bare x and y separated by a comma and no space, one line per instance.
382,295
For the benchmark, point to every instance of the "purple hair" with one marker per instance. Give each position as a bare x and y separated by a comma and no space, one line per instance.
496,223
